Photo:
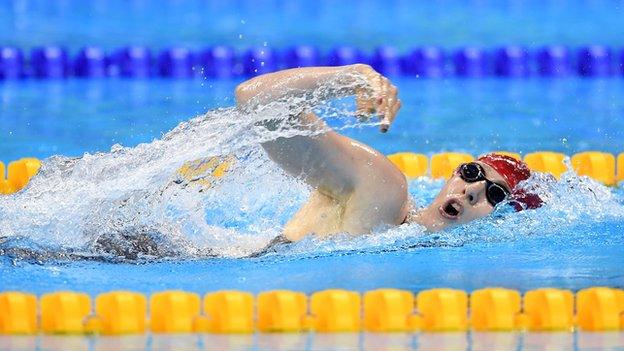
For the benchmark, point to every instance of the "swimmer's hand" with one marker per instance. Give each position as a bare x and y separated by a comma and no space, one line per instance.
374,93
378,97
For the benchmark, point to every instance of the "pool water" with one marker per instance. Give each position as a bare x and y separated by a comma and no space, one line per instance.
326,23
574,242
111,149
44,118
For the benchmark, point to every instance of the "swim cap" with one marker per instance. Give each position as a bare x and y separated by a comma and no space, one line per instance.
513,172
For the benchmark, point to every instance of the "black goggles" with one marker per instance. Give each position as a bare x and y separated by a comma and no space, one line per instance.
473,172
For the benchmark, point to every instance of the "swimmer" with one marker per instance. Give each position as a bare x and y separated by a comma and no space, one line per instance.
356,189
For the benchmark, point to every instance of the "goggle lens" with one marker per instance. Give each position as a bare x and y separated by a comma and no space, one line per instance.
495,194
473,172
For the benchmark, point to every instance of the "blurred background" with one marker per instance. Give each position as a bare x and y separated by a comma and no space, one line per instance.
325,23
80,76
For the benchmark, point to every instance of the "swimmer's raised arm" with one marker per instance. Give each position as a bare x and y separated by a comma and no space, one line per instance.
357,188
374,92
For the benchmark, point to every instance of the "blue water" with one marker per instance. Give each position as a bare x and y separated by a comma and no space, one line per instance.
44,118
574,243
581,257
326,23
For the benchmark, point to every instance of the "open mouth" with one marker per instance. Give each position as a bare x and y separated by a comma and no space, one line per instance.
451,209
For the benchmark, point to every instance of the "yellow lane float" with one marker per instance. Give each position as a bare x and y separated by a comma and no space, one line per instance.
335,310
332,310
121,312
389,310
443,309
229,311
495,309
19,174
18,313
443,165
411,164
620,166
64,312
174,311
597,165
204,173
549,309
282,311
546,162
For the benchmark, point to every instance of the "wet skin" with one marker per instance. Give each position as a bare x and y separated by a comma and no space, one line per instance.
459,202
355,189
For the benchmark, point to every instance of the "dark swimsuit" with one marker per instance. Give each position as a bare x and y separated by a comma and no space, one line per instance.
272,246
411,213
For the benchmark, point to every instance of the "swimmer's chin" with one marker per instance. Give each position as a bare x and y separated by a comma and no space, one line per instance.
434,219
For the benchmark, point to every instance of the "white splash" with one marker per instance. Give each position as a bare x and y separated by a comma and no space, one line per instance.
130,202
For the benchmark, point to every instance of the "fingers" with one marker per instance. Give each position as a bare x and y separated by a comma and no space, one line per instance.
383,99
391,107
364,106
379,99
387,121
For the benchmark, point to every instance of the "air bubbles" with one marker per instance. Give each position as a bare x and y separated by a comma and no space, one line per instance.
564,141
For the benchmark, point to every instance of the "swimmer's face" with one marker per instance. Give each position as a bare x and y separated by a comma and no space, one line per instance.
460,202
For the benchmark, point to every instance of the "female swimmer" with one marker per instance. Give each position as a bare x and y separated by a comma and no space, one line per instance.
356,189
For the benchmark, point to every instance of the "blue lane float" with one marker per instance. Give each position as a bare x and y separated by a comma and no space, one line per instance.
302,56
346,55
224,62
219,62
90,62
554,61
49,62
594,61
131,62
11,63
387,61
259,60
471,62
176,63
428,62
512,61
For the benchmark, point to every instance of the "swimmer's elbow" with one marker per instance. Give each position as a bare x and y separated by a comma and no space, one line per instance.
242,94
249,90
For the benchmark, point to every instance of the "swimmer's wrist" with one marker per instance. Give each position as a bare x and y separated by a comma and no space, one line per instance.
360,68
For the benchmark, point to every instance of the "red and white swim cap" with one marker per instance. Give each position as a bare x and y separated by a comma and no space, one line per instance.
513,172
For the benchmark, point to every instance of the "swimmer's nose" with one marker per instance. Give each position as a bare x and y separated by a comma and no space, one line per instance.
474,191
